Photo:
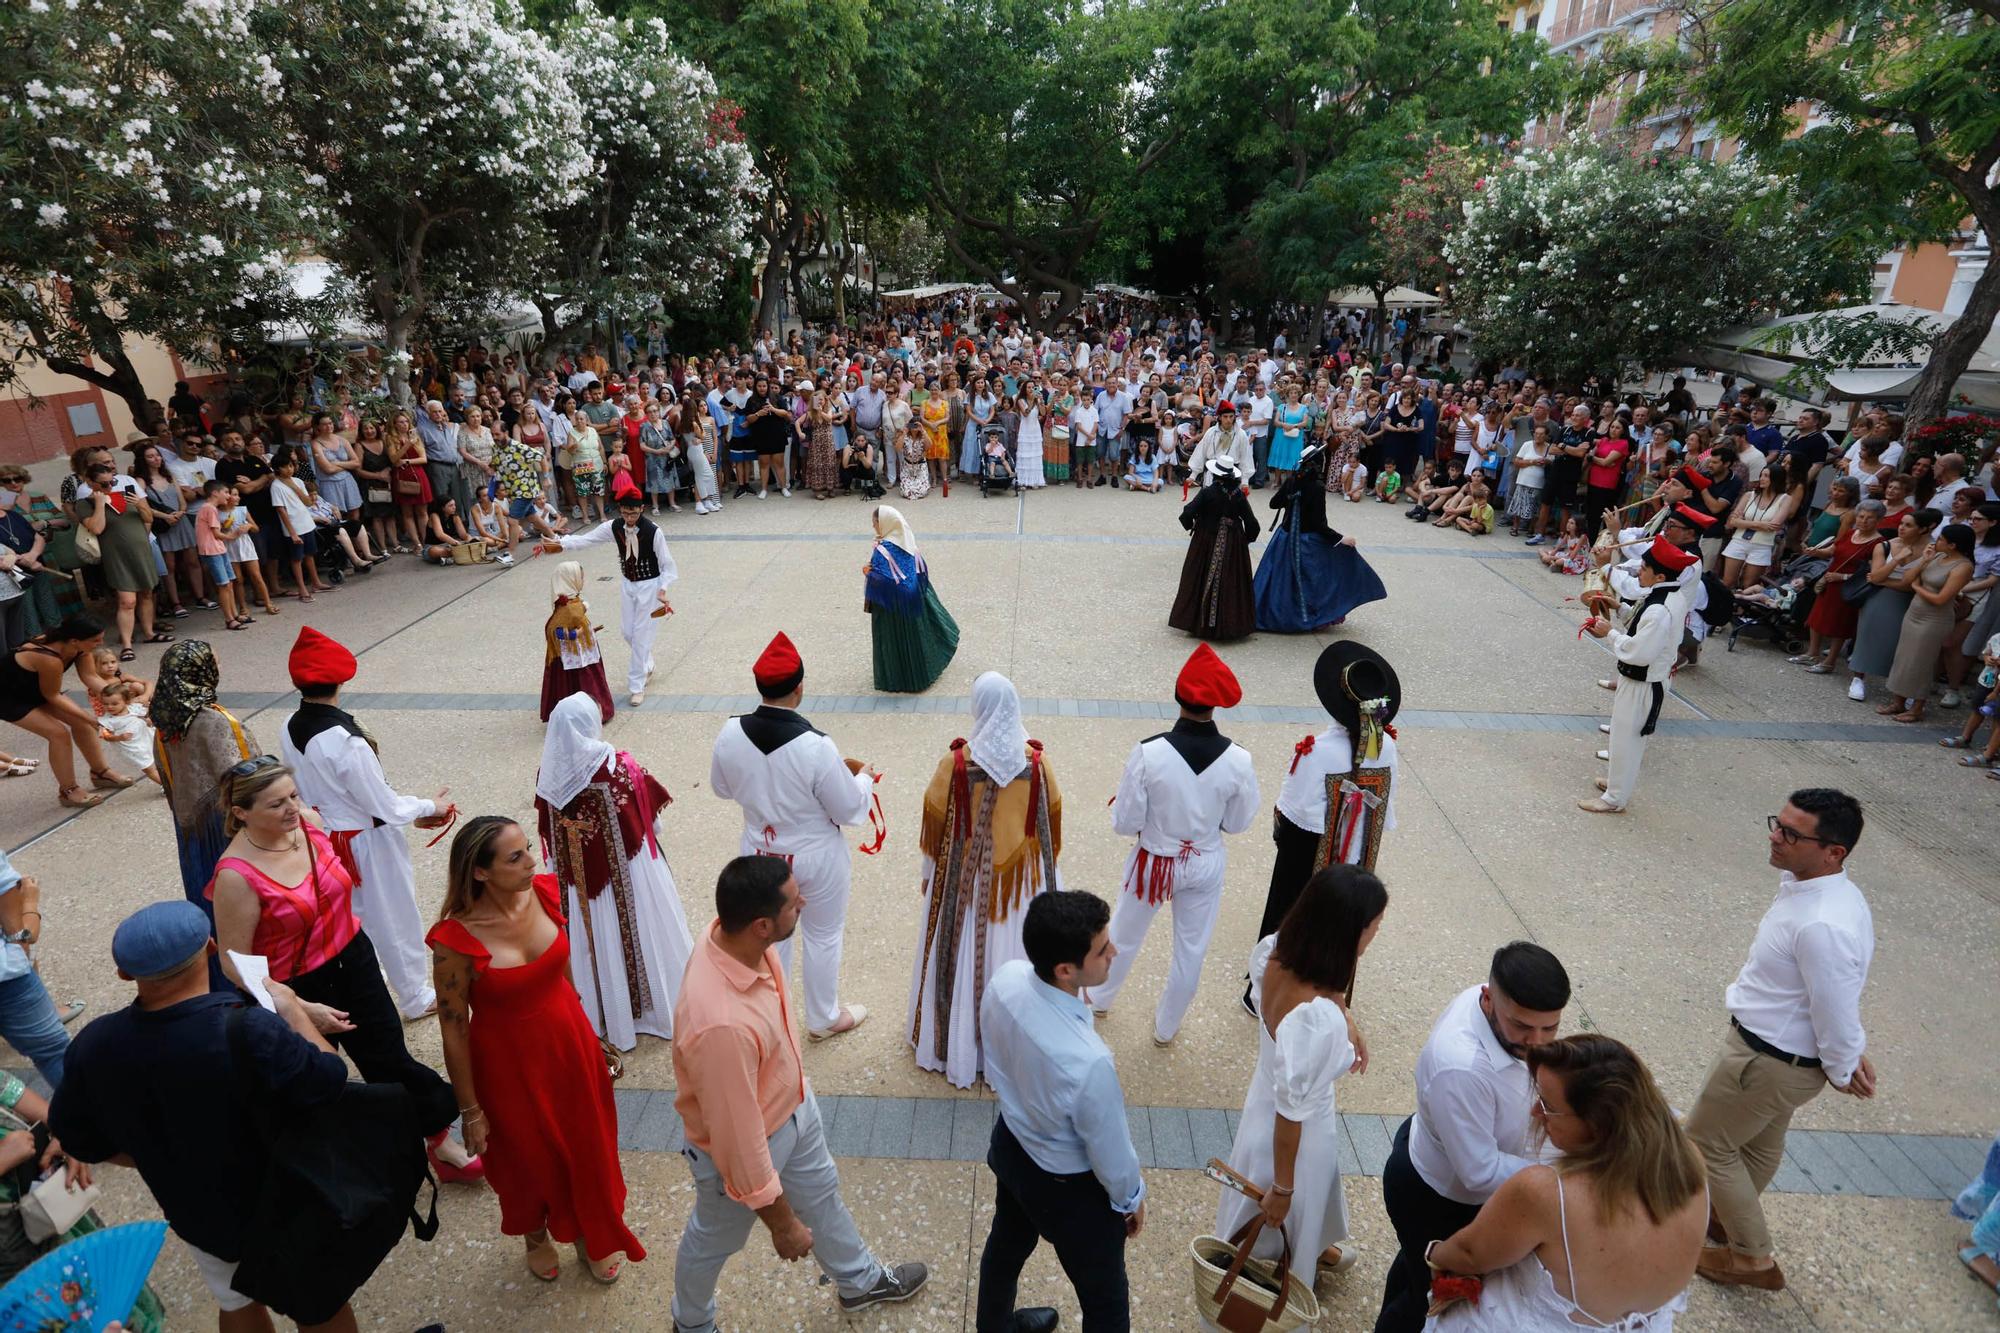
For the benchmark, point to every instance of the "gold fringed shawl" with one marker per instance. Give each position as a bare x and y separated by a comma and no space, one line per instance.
1020,811
570,615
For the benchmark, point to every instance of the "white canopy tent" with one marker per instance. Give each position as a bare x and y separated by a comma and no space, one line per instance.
1760,352
513,322
1397,298
934,290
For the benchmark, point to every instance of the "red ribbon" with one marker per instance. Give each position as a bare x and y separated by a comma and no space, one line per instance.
877,820
1301,750
450,818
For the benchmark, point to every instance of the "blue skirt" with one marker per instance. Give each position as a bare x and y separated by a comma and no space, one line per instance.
1305,582
1285,451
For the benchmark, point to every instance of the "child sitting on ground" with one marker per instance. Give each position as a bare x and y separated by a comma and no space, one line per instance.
1471,510
1388,484
1435,493
1354,480
1570,554
1145,471
124,724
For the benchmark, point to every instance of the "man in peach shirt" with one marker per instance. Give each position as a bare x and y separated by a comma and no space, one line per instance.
756,1145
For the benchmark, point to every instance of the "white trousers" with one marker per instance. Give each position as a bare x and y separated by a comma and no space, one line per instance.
1628,714
825,879
386,902
638,602
1196,903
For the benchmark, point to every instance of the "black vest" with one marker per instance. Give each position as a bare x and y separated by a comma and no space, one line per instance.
639,562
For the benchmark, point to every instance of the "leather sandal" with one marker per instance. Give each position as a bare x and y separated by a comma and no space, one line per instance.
76,798
542,1258
608,1272
106,780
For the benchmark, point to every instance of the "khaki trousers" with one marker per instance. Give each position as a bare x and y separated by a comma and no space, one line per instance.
1739,1123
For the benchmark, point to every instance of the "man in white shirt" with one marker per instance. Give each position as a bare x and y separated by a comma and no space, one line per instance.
1223,440
1181,792
1470,1130
1949,470
1262,409
1794,1028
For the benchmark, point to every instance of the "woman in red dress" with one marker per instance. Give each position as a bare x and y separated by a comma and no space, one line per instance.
526,1067
1832,617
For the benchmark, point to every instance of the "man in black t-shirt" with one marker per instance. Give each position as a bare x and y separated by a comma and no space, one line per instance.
250,473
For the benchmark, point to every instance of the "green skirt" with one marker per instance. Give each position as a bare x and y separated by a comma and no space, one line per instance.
911,652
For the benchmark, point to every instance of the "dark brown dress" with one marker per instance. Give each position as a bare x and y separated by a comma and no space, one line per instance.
1216,598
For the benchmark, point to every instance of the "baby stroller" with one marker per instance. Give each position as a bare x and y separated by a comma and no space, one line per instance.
996,469
1779,617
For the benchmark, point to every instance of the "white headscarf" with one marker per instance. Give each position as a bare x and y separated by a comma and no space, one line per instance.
999,740
572,751
568,581
893,528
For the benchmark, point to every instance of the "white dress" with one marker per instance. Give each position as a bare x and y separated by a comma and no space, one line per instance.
1028,450
1522,1298
1294,1078
597,951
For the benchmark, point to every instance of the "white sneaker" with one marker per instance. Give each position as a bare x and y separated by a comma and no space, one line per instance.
785,491
638,697
1856,689
1604,727
506,560
763,495
1950,699
1604,755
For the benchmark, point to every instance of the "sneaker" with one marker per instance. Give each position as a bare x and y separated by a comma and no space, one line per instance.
1951,699
896,1284
506,560
763,495
785,491
1535,540
1856,690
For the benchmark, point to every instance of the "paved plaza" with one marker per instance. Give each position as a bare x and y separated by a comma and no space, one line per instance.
1067,593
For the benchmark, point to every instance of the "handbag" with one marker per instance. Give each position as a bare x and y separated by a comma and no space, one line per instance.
340,1186
1244,1295
1856,589
378,495
50,1208
406,485
468,553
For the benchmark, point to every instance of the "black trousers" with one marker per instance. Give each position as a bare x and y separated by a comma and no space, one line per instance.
1071,1213
1419,1215
1597,499
352,981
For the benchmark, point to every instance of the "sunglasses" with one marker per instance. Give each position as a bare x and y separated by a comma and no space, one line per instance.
1547,1114
249,766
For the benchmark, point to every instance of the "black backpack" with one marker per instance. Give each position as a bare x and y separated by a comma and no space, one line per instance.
1721,608
340,1184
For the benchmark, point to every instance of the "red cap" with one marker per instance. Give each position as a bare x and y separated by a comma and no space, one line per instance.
779,664
318,660
623,489
1224,406
1699,481
1669,556
1694,518
1207,682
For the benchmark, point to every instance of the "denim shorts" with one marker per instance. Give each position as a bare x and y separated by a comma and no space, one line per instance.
305,546
218,570
520,509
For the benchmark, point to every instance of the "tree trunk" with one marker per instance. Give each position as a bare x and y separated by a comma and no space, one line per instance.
1931,399
122,382
771,290
396,352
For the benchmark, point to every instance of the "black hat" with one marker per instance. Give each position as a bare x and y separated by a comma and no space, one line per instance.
1348,673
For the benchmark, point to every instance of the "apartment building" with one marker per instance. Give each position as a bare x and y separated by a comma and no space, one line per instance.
1932,276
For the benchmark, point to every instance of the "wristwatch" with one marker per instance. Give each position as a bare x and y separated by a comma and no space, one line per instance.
21,936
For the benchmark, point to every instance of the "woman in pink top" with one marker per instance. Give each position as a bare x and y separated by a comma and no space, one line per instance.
283,891
1604,475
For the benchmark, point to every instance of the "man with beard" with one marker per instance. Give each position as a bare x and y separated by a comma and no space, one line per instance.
1470,1130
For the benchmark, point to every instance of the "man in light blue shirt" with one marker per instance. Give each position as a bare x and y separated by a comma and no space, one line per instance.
1061,1153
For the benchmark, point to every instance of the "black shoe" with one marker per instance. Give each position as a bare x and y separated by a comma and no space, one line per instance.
1035,1319
1249,1005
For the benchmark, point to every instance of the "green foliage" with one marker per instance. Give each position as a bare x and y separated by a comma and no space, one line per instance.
1588,258
137,197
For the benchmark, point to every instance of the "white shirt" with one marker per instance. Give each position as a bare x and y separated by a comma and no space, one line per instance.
1261,409
1470,1130
1213,446
801,791
340,776
1302,797
1892,453
1800,988
1655,637
193,473
1941,498
602,534
1167,805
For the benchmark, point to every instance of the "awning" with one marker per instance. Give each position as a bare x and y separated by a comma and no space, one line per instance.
1758,351
1398,298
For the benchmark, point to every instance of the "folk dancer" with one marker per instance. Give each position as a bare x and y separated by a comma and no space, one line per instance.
596,809
1684,526
1182,790
339,773
992,833
797,793
647,570
1339,795
1645,650
1217,598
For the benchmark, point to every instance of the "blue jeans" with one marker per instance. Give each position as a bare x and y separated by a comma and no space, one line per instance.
29,1023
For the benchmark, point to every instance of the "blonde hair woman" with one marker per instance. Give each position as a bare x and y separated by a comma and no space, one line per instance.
1624,1254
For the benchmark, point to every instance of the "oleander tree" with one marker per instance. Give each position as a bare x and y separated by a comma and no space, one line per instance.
666,209
138,197
1589,257
442,136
